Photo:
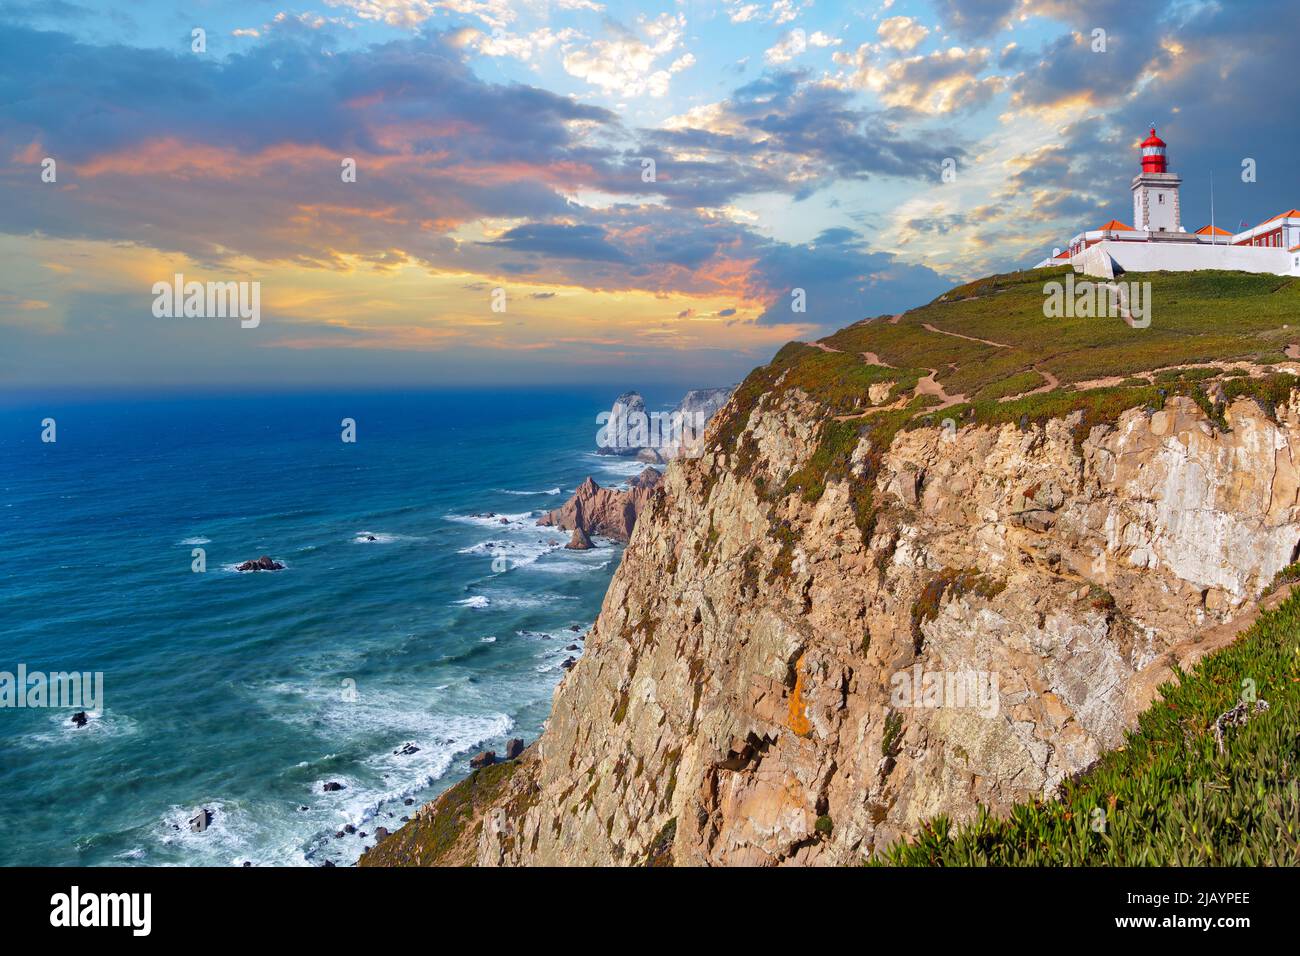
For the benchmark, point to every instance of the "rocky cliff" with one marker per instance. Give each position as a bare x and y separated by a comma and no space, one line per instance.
777,673
604,511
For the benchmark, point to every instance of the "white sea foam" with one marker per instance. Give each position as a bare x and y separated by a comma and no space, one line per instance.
477,601
494,520
568,566
374,790
60,730
548,491
383,537
617,465
191,542
530,600
515,552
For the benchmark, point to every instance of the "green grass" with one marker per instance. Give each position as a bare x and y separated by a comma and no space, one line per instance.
1196,317
1011,385
1168,796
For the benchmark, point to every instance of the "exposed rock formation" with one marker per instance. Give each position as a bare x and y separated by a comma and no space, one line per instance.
264,563
658,437
604,511
622,437
746,696
579,541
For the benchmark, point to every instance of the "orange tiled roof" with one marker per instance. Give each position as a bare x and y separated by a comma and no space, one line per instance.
1212,231
1289,214
1115,225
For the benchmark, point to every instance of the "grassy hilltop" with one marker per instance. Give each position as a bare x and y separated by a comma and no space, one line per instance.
984,353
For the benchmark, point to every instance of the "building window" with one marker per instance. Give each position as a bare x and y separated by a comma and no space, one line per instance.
1162,199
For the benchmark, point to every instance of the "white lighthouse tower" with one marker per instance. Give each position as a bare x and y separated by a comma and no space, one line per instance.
1155,190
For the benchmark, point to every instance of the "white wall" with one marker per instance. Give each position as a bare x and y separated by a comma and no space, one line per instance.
1184,257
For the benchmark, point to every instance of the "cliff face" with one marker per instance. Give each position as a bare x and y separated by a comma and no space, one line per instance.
743,685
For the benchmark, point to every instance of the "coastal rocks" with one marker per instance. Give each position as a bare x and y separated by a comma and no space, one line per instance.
332,786
604,511
758,659
514,747
579,541
79,719
406,750
630,430
264,563
624,432
201,821
483,759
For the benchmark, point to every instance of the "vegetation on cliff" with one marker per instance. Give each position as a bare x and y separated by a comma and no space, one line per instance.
1214,336
1210,777
446,832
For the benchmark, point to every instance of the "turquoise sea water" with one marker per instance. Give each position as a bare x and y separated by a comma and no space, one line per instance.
232,691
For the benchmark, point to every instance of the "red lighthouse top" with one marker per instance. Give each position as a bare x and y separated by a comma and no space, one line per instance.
1153,154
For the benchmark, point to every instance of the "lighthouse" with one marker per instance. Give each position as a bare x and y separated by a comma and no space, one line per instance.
1155,190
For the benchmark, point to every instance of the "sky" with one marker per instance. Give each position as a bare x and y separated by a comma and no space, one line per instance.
553,192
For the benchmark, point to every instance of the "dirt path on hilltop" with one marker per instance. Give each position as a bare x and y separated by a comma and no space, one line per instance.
1050,383
930,386
969,338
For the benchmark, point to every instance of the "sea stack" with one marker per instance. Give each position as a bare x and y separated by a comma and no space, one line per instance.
579,541
605,511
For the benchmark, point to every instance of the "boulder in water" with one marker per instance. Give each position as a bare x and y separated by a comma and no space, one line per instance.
264,563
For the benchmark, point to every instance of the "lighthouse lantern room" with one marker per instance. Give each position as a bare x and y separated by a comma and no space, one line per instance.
1155,190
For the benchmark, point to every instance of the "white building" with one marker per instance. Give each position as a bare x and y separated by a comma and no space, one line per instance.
1157,240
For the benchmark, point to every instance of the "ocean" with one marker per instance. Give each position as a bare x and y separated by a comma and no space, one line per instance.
407,632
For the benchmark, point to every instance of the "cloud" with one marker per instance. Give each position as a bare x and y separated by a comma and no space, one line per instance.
976,19
784,133
629,65
561,241
796,42
943,82
412,13
902,33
